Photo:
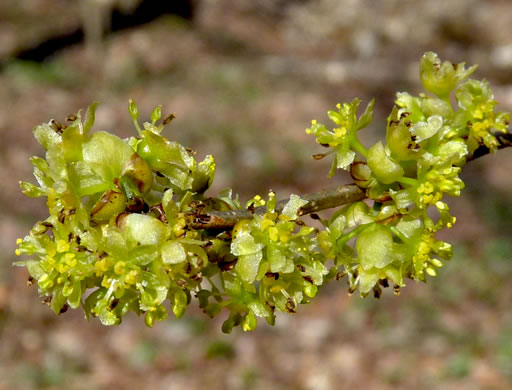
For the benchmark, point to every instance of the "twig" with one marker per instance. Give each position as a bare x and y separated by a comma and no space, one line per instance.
504,141
317,201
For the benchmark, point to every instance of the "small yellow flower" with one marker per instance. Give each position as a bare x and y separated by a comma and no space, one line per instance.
131,277
273,233
62,246
101,266
50,259
284,237
340,132
265,223
106,282
119,268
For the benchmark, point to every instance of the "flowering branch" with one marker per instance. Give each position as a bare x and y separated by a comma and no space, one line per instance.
129,227
317,201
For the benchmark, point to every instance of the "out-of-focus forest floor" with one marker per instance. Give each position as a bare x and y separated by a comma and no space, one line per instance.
245,79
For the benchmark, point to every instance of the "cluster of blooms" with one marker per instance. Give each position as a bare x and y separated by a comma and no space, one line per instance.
427,143
115,240
118,237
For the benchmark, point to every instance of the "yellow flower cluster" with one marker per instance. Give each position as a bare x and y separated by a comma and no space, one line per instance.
436,183
59,263
422,260
116,274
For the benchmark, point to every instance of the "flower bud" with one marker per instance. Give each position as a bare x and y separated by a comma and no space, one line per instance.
203,175
139,172
110,204
180,302
361,173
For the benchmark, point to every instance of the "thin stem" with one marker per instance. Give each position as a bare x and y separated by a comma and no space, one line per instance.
504,141
399,234
358,146
340,243
408,180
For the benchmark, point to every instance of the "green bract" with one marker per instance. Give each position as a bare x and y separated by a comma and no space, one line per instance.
131,229
385,169
441,78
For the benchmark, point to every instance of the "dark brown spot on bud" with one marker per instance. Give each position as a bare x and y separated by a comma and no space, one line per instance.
168,119
377,292
308,278
318,156
384,283
158,212
136,204
197,277
290,305
57,126
225,265
114,303
181,283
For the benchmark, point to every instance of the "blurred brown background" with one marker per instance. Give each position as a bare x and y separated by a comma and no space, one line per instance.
245,78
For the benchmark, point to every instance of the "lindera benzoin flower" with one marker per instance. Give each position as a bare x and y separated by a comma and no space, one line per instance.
131,229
